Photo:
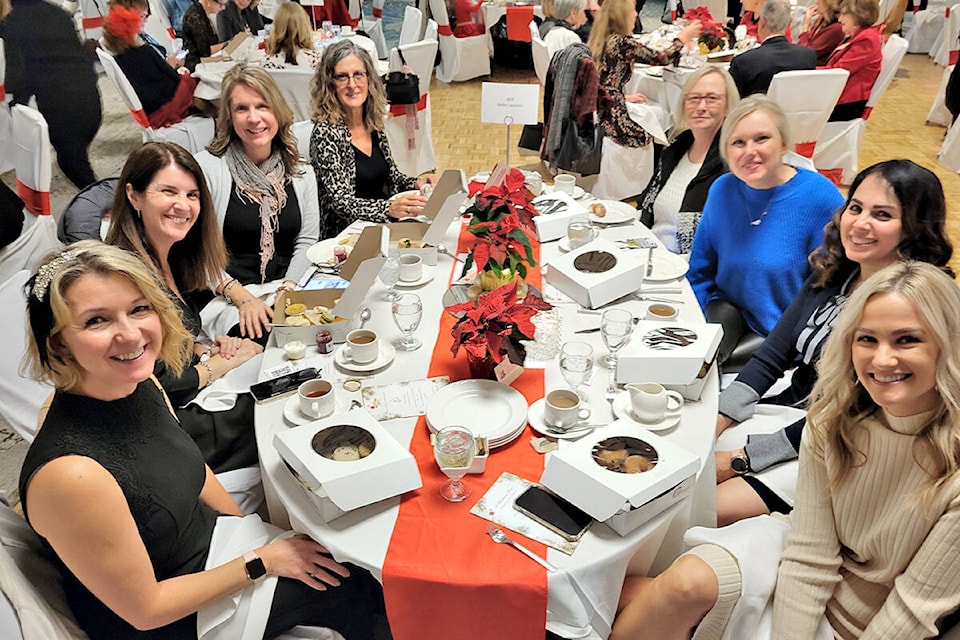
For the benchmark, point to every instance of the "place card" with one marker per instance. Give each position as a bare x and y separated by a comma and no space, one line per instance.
401,399
503,103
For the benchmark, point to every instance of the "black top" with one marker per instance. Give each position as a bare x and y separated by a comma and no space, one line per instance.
232,20
151,76
134,439
753,70
241,232
372,172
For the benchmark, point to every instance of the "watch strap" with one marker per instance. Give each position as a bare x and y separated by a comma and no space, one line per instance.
740,463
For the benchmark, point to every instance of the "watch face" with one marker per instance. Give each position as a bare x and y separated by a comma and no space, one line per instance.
255,569
739,465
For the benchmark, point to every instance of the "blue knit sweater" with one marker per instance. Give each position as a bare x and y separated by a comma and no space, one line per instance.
760,267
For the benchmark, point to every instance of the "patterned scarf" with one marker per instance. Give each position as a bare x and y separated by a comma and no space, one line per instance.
264,184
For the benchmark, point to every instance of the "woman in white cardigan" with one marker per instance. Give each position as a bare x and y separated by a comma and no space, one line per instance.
265,198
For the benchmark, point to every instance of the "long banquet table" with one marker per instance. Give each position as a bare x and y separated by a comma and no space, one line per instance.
582,595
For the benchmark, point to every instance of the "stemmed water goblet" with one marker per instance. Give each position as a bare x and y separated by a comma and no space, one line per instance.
616,326
454,449
407,312
576,363
390,276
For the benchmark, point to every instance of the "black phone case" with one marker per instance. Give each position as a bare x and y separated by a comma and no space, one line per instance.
282,385
553,512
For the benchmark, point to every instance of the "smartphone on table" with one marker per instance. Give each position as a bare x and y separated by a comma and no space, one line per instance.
282,385
553,512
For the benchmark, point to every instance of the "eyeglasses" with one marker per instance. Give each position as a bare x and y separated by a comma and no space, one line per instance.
712,99
343,79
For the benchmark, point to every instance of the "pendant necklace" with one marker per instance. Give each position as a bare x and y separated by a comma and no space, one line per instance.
759,220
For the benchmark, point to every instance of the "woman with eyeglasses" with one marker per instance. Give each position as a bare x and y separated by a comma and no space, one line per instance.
200,40
674,199
356,175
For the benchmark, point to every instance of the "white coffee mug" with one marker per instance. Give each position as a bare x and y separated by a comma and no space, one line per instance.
661,311
362,346
650,402
565,183
411,267
579,232
317,399
563,409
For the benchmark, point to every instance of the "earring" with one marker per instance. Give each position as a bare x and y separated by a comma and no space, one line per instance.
138,214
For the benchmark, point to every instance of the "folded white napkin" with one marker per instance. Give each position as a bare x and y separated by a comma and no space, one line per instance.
218,317
648,116
222,394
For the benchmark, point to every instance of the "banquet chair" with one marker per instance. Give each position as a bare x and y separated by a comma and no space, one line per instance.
949,155
541,57
409,127
372,27
411,27
193,134
430,33
93,13
31,158
460,58
946,51
838,146
302,131
158,25
927,29
6,162
807,97
939,114
294,84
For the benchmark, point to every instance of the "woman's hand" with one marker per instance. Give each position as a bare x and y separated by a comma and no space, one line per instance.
637,98
407,206
239,349
724,470
724,423
809,16
302,559
174,61
428,179
254,315
690,32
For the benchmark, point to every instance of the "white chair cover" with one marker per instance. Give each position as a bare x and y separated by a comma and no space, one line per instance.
302,132
938,110
160,14
460,58
430,33
807,97
93,13
928,26
6,152
193,133
893,51
373,27
31,158
295,86
949,154
624,171
419,159
410,29
947,50
541,57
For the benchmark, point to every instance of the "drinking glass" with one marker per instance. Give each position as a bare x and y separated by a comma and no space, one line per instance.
390,275
454,448
576,363
616,325
407,312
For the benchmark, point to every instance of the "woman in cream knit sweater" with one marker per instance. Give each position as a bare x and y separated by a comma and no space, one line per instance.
870,548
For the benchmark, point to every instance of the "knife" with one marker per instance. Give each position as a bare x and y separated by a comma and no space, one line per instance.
649,263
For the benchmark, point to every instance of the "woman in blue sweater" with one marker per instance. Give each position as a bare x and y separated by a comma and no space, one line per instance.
896,211
759,224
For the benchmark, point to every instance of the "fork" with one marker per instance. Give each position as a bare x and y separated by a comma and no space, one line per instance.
611,393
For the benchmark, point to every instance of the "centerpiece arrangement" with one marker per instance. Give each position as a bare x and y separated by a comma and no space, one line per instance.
712,36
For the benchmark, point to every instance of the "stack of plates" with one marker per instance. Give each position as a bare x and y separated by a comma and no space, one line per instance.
489,409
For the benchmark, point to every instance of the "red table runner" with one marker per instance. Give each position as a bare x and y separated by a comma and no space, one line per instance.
443,577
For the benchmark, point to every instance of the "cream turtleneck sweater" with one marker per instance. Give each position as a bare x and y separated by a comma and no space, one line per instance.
865,553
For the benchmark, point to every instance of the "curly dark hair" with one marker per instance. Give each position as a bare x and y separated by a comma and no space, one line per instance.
923,236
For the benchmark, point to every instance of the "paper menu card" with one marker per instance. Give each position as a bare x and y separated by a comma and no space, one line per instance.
402,399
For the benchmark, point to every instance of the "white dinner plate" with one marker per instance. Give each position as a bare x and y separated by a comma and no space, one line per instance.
666,267
617,213
291,409
322,252
485,407
425,276
537,423
385,357
578,192
622,409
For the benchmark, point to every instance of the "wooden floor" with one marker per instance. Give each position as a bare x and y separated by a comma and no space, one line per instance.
896,128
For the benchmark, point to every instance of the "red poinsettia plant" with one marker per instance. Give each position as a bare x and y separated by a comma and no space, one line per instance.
712,35
493,325
502,221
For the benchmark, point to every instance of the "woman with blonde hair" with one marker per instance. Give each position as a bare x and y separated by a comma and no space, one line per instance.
869,550
291,40
264,196
356,175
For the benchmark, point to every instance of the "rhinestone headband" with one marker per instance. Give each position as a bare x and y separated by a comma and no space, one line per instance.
48,272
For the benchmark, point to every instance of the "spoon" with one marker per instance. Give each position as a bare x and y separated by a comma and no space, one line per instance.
500,537
442,248
364,316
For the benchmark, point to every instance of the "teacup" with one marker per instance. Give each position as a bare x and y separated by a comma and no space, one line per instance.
411,267
362,346
317,399
563,409
661,311
580,232
565,183
651,402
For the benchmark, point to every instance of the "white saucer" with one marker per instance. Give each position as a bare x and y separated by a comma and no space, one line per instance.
535,418
622,409
578,191
425,276
564,244
617,213
291,409
385,357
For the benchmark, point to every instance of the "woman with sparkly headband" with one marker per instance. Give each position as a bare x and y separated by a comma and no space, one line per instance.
132,532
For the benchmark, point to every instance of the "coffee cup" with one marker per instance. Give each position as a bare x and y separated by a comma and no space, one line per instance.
651,402
580,232
317,399
411,267
563,409
565,183
362,346
661,311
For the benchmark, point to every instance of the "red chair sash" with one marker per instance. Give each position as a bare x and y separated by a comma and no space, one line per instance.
36,201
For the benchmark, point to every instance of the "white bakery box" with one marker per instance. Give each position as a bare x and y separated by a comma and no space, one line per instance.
348,461
442,209
622,500
596,273
553,225
677,354
361,269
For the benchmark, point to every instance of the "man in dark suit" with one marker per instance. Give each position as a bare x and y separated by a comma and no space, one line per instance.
754,69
